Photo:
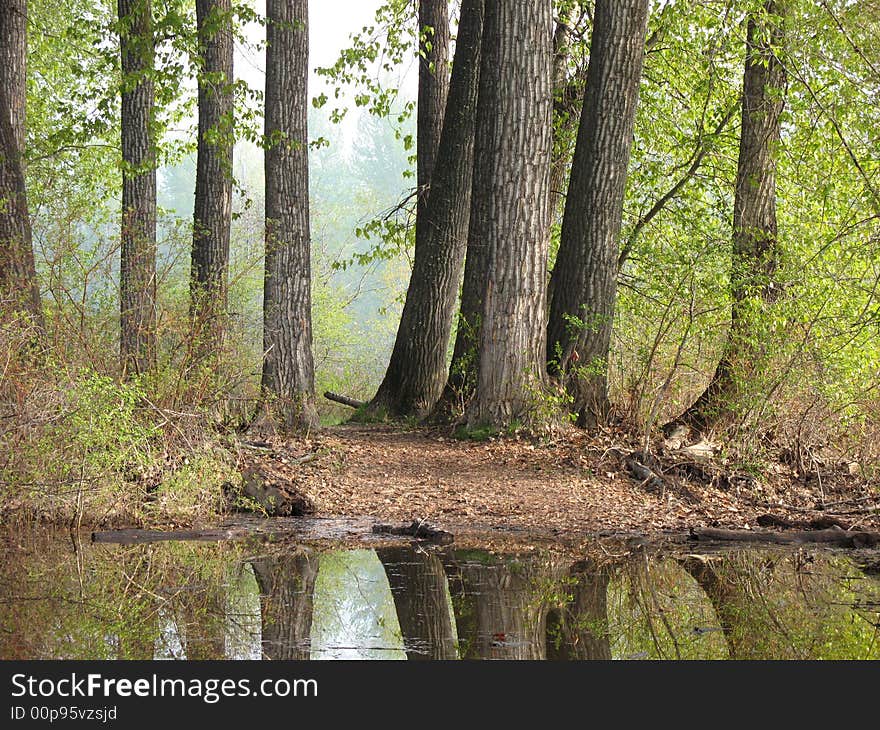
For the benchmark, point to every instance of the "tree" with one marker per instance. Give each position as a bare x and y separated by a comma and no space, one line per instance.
584,279
509,211
19,290
287,587
755,246
212,214
288,366
137,280
417,370
433,91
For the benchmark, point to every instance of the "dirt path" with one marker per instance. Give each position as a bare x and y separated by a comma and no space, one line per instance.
576,485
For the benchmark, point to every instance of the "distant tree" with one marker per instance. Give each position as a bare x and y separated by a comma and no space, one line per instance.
288,366
417,370
19,290
509,213
137,278
584,278
212,214
755,246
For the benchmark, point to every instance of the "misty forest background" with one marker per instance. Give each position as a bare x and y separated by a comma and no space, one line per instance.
72,422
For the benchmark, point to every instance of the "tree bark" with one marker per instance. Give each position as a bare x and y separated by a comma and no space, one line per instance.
433,91
755,245
288,365
213,202
287,586
509,214
416,372
137,278
584,279
19,290
418,584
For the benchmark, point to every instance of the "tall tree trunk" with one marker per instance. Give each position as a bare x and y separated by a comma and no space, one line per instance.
137,278
755,247
510,208
433,90
418,584
584,279
417,369
287,587
19,291
288,366
213,204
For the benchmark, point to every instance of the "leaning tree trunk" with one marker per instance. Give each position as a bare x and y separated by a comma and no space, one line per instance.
417,369
288,366
212,215
755,247
433,90
584,279
419,586
19,291
287,587
510,209
137,278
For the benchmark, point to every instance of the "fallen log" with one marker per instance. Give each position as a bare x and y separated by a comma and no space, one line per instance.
344,399
833,536
419,530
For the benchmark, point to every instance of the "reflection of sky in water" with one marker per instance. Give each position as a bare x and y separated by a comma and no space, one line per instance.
243,622
168,644
354,615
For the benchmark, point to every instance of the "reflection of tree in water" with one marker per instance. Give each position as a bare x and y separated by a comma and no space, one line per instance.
421,598
501,604
287,585
578,627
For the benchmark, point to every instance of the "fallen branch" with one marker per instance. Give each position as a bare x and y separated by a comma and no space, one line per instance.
419,530
345,400
837,537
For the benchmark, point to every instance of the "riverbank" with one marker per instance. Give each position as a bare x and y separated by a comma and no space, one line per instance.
574,484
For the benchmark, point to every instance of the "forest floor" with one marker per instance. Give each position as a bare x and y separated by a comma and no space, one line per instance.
573,484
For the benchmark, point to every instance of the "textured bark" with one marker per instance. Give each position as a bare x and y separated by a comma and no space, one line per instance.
584,279
288,366
755,247
213,203
137,278
418,584
509,214
433,90
13,69
287,586
417,370
19,291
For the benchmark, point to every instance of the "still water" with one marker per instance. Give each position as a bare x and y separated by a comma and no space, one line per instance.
63,598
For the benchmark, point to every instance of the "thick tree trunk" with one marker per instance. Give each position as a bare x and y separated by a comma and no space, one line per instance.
137,279
755,248
287,587
288,366
213,204
433,90
418,584
584,279
510,209
19,291
417,369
